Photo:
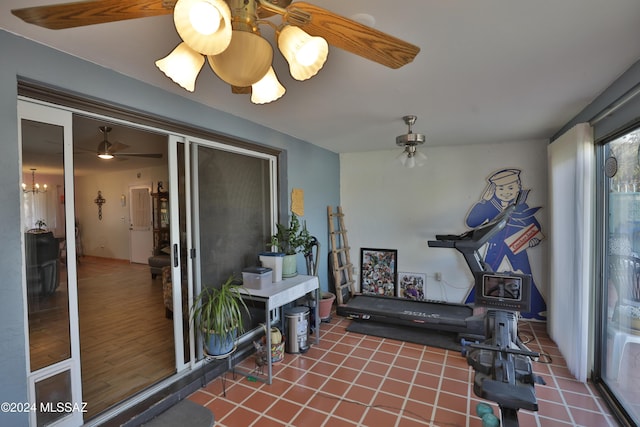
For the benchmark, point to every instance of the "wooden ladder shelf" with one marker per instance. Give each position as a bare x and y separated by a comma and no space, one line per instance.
340,260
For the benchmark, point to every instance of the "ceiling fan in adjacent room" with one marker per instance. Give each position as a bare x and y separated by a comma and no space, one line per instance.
227,34
107,150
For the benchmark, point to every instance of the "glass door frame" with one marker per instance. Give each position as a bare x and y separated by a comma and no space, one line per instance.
193,218
40,112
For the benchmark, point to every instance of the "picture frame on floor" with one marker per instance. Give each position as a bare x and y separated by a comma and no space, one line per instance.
411,286
378,271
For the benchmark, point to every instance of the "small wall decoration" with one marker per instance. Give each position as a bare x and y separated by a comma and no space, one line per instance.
378,271
100,201
411,286
297,201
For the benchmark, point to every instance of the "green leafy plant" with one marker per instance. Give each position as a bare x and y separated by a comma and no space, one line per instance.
219,310
40,224
292,239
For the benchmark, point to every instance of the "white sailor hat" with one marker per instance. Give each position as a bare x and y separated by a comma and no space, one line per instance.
505,176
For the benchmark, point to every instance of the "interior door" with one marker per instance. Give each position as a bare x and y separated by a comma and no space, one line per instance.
140,232
49,280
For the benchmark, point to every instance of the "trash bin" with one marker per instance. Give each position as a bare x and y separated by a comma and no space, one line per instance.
297,329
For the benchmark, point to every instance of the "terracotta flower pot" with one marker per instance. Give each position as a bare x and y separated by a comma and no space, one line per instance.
326,302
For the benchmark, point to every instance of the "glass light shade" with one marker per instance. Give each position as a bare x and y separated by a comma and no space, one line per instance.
182,66
245,61
103,150
305,54
205,25
268,89
421,159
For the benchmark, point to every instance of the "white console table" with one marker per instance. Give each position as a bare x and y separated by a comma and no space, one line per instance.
278,294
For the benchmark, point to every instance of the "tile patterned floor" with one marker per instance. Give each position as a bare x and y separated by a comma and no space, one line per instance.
353,380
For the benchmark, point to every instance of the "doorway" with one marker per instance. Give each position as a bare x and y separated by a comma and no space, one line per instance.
98,329
140,234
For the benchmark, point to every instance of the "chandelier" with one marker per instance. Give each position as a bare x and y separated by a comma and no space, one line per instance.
227,34
410,155
35,187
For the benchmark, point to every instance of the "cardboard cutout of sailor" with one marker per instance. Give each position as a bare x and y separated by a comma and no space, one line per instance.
507,250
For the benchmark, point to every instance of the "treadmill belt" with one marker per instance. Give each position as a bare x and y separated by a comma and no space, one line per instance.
428,337
442,316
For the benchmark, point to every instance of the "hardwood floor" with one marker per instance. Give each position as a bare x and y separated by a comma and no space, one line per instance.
126,342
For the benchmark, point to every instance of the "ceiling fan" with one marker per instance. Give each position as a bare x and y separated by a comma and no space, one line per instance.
107,150
227,34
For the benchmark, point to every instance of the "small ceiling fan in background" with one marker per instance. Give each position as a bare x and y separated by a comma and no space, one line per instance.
227,34
107,150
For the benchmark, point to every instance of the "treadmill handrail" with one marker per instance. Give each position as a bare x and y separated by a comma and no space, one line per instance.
470,241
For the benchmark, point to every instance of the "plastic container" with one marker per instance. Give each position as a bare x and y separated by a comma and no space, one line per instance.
273,260
256,277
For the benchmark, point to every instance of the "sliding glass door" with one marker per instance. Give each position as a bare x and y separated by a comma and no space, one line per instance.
620,308
50,284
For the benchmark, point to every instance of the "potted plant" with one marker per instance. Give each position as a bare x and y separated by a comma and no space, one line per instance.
217,314
291,240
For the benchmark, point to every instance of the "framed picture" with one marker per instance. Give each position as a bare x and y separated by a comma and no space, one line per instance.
411,286
378,271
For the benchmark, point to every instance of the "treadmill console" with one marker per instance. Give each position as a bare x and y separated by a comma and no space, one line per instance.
503,291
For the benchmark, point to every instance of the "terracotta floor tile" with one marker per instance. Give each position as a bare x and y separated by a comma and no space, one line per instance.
418,410
453,402
283,410
339,422
335,387
239,416
298,394
361,395
379,417
309,417
392,386
366,379
383,357
322,402
354,380
406,362
446,417
350,410
401,374
389,402
346,374
377,368
259,401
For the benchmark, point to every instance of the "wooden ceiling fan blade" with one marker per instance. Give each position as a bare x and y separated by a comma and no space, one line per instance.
350,35
79,14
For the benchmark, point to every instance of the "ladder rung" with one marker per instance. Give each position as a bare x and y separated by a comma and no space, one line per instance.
343,267
339,232
341,249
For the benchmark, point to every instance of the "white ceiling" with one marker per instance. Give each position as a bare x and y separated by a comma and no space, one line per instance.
488,70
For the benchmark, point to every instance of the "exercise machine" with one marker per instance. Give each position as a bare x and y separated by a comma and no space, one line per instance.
502,363
438,315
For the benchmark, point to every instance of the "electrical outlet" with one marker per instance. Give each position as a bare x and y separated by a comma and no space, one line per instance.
438,276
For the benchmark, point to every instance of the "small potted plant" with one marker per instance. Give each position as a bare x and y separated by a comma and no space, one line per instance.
291,240
217,313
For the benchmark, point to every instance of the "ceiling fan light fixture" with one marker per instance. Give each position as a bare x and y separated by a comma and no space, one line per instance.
305,54
205,25
268,89
410,156
104,147
182,66
245,61
103,150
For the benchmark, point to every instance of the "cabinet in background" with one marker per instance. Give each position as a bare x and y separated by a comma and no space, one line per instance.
161,238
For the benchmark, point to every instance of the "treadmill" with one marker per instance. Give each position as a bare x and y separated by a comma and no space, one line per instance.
437,315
